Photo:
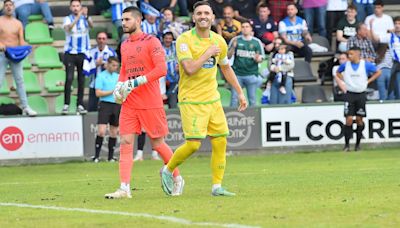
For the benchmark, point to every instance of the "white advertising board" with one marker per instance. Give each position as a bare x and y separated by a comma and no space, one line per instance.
321,125
41,137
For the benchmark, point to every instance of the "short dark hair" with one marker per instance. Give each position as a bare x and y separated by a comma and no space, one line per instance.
228,6
97,34
111,59
355,48
397,18
262,5
291,4
378,3
5,1
167,33
247,22
134,10
352,7
201,3
70,2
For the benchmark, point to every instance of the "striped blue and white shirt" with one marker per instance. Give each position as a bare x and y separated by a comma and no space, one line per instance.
364,1
294,32
172,61
394,44
77,40
95,53
151,28
116,11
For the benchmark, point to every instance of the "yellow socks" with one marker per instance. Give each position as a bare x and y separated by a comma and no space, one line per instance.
182,153
218,159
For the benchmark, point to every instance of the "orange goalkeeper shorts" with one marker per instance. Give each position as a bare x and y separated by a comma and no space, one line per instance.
153,121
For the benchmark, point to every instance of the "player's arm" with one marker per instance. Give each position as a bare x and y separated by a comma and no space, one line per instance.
339,78
158,58
103,93
371,68
192,66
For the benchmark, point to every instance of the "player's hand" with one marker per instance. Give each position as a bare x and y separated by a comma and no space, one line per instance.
117,93
213,50
131,84
242,102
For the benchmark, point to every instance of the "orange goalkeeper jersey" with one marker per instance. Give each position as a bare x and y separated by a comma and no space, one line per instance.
142,54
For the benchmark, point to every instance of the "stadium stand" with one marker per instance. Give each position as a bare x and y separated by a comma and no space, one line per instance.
47,57
54,81
225,96
37,33
31,82
313,94
39,104
6,100
35,17
4,90
303,72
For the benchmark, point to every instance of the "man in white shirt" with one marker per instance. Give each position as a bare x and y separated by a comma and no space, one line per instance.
381,23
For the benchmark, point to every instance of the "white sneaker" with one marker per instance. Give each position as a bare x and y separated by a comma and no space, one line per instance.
65,110
119,194
29,112
81,110
179,183
154,155
138,157
282,90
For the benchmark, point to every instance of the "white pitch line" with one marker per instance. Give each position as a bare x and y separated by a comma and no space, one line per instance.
144,215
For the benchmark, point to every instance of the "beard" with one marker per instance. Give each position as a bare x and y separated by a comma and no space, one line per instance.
129,30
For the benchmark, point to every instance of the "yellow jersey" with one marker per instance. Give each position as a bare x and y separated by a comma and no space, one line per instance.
201,87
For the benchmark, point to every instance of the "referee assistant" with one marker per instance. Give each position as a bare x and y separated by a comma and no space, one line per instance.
354,74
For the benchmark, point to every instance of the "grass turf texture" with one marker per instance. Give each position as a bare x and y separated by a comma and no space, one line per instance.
302,189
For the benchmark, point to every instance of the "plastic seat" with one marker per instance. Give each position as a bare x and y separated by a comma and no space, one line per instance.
60,104
6,100
303,72
225,96
39,104
35,17
47,57
37,33
31,82
54,81
4,87
107,14
324,42
313,94
58,34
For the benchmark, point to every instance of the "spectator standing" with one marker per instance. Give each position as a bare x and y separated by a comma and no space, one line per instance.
99,55
25,8
278,9
362,41
248,51
335,12
169,24
228,27
379,23
108,109
338,94
346,28
265,27
218,7
245,9
77,45
172,77
354,75
151,25
276,96
294,32
364,8
315,9
12,35
384,63
393,39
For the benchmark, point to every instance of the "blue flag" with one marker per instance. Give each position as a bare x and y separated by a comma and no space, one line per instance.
146,8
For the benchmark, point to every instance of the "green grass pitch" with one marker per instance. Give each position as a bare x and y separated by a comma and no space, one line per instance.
326,189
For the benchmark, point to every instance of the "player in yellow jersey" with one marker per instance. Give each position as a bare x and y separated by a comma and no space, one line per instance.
199,52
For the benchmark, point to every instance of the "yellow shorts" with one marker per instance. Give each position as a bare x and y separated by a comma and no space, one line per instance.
200,120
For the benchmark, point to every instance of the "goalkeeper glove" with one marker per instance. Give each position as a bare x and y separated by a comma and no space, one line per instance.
117,93
131,84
